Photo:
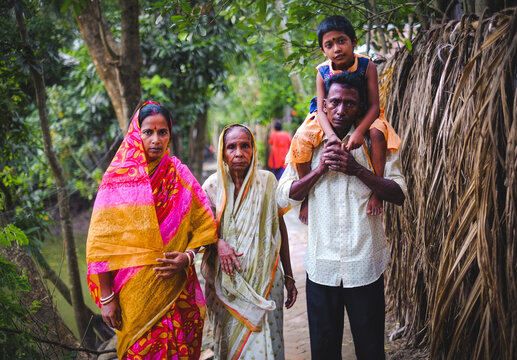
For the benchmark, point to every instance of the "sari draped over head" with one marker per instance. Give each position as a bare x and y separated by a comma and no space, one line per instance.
246,308
141,211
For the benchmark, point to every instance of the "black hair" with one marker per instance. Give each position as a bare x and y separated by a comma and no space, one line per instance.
153,109
278,125
335,23
240,127
349,80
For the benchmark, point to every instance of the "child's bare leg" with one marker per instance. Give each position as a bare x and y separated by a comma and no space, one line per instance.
303,169
378,157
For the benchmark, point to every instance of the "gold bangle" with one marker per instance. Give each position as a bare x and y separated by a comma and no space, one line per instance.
190,259
289,277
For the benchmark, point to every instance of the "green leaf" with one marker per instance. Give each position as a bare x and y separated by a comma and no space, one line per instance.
11,233
262,5
253,39
185,6
408,44
177,18
183,36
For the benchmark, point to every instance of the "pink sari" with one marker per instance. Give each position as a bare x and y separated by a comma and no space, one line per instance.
135,219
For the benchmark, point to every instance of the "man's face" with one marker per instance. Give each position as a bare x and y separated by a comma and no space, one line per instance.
342,107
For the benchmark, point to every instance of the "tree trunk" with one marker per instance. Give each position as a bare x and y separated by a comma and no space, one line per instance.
118,66
380,31
296,81
130,56
267,147
50,274
197,144
492,6
368,37
80,309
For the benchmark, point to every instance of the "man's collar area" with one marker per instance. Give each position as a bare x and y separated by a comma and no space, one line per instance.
352,128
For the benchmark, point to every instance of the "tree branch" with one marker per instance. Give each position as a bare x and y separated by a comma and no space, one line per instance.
64,346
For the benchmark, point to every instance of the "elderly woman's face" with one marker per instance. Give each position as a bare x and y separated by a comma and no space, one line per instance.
238,149
155,136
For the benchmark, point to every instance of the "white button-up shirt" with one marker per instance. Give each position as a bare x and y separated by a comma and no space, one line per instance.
346,246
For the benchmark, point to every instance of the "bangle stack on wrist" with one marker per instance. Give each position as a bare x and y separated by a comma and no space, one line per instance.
190,252
107,299
289,277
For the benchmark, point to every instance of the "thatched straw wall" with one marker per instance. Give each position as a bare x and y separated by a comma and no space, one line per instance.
453,277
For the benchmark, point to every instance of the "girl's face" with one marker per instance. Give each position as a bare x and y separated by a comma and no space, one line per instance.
238,149
155,136
339,48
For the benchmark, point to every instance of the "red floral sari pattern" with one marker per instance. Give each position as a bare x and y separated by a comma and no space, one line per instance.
177,336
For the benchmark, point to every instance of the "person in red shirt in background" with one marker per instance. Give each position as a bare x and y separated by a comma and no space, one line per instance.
280,141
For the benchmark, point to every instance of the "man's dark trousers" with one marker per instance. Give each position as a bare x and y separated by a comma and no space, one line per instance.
365,309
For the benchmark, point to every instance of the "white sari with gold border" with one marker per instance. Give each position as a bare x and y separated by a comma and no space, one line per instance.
246,309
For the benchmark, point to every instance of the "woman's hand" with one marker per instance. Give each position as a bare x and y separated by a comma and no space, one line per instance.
111,314
228,257
292,292
174,262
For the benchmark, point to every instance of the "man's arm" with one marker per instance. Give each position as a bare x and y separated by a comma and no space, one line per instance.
300,188
343,161
386,189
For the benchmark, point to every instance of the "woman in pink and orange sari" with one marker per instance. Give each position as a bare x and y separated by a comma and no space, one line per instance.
149,219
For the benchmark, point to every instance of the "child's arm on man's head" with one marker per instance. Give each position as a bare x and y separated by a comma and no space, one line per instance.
322,117
372,111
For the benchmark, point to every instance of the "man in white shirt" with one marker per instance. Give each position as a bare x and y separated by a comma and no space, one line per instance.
347,251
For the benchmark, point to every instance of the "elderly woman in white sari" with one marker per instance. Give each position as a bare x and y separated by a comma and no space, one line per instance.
244,280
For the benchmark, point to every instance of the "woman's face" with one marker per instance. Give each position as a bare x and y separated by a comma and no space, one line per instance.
155,136
238,149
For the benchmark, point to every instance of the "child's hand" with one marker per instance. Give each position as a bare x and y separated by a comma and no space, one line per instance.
333,138
355,140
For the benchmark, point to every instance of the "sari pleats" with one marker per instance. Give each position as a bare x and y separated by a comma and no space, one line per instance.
178,334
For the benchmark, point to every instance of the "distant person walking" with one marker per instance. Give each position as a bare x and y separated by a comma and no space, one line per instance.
280,141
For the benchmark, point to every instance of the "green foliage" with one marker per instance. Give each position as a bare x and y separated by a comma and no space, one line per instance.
84,128
186,63
25,179
10,234
155,87
20,187
16,344
258,93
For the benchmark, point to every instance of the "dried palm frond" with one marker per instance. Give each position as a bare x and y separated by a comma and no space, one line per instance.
453,278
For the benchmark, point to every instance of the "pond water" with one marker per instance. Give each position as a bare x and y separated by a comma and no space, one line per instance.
54,252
